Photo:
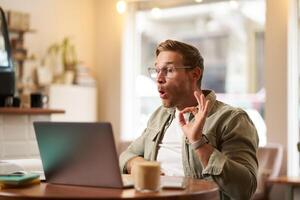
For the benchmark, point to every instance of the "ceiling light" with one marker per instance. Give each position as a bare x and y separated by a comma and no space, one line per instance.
121,6
234,4
156,12
198,1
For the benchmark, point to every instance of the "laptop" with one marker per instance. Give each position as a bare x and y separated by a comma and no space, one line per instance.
79,154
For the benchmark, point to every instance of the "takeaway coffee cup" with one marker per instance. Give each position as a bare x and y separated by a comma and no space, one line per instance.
147,176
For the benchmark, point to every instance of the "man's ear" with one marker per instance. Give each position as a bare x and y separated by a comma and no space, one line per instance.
197,73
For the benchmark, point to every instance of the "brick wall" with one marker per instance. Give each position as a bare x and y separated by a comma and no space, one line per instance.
17,137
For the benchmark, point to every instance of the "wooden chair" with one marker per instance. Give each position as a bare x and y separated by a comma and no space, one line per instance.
269,160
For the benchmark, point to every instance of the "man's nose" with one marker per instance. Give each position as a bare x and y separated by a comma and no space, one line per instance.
160,77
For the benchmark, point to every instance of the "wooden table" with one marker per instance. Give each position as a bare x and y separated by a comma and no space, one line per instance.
290,183
196,189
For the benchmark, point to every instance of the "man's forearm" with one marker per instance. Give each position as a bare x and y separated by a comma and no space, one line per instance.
204,153
132,162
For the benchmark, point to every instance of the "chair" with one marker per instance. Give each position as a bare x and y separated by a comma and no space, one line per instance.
122,146
269,161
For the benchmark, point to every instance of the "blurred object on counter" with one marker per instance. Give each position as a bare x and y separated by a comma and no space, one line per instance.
84,76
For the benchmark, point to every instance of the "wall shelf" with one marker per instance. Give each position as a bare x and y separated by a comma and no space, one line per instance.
30,111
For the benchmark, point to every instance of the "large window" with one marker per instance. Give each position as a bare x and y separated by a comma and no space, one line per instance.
296,170
229,35
293,88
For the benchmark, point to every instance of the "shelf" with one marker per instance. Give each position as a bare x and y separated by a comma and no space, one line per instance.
19,52
30,111
21,31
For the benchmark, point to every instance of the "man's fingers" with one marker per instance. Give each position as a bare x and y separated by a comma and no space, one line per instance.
205,111
202,100
182,121
197,96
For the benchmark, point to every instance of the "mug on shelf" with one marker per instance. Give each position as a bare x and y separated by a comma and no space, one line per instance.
38,100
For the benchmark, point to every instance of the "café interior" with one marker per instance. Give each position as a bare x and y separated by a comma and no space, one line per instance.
87,60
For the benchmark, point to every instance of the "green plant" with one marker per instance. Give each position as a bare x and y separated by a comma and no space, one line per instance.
67,51
69,57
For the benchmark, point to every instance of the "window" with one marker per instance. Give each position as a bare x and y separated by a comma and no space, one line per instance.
229,35
293,88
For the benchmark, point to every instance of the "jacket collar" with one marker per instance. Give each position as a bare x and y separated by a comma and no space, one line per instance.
171,111
211,96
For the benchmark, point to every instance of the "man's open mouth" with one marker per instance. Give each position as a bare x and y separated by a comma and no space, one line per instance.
162,93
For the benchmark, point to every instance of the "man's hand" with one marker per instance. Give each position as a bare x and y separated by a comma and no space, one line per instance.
133,161
130,164
193,130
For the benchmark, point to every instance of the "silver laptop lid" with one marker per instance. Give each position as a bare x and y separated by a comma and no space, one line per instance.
78,153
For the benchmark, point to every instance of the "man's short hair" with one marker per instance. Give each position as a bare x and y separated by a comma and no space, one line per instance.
191,55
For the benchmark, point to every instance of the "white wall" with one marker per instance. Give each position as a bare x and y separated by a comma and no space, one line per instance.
96,29
108,49
55,19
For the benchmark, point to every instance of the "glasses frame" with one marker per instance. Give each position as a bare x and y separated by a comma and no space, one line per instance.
158,70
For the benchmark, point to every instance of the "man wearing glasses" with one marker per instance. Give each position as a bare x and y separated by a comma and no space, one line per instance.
192,133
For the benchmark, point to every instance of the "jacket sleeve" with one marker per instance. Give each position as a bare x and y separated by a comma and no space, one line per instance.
144,144
233,166
136,148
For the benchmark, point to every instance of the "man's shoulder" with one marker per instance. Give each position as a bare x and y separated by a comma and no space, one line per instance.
220,107
223,109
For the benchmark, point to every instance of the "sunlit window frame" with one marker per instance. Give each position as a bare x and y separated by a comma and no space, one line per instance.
293,88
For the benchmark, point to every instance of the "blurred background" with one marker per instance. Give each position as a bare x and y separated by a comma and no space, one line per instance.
90,58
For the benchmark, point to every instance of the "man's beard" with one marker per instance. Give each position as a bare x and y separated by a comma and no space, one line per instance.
167,104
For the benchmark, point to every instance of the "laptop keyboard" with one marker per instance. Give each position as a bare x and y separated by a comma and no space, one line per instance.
127,181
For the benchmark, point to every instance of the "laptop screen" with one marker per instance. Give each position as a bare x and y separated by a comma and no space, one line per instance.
78,153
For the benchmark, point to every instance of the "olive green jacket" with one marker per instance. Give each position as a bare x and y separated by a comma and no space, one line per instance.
233,163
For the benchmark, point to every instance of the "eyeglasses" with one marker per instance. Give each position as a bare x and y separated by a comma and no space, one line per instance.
167,71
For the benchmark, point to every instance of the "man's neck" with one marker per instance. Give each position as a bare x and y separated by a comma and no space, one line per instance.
189,102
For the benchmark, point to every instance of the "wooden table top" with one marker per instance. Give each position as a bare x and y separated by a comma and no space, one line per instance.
195,189
295,181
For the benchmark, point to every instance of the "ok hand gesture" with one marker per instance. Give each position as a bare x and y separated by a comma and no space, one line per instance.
193,130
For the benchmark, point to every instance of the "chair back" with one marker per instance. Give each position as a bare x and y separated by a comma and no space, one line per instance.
269,161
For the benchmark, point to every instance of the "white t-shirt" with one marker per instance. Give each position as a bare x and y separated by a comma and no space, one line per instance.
170,151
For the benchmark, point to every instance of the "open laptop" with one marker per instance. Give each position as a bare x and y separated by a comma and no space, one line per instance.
79,154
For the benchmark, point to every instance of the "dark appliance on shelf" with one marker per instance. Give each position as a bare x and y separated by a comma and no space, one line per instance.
7,72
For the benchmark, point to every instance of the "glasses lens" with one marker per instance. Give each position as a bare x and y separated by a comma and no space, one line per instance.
152,72
169,72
